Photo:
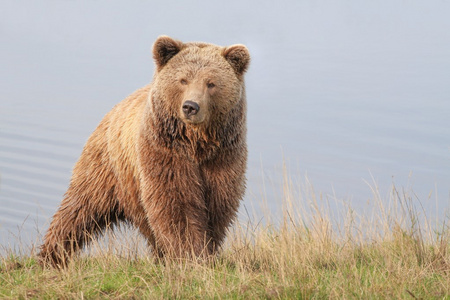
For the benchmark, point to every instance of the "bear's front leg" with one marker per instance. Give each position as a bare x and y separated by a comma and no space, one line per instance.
173,196
224,179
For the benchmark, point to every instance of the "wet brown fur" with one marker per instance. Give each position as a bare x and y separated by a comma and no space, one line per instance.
178,180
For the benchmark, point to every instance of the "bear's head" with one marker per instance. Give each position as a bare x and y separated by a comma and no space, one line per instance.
198,84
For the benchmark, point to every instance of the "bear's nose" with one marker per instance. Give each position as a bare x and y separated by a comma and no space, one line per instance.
190,108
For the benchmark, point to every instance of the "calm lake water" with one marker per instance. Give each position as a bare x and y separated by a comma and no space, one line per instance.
344,92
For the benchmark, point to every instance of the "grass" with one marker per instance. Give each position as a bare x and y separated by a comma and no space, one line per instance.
312,252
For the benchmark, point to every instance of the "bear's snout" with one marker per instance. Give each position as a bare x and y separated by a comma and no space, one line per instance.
190,108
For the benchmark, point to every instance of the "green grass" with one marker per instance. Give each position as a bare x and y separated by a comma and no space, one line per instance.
392,251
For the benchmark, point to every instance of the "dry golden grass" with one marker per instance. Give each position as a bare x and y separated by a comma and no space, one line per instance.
390,251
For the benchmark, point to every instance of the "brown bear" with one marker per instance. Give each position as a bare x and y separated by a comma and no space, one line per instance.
170,159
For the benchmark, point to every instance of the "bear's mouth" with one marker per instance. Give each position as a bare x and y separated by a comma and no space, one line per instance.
193,120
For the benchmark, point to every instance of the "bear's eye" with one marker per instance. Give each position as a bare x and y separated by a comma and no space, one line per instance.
183,81
210,85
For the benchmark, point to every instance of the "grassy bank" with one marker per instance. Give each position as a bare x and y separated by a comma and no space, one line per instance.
390,251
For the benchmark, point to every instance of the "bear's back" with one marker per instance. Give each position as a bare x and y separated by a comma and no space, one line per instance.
122,135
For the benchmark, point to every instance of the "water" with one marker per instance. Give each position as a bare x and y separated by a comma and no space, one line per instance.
341,91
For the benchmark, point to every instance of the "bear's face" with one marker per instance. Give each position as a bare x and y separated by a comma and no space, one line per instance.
198,83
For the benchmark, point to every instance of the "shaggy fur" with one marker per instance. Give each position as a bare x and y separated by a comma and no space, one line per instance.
178,178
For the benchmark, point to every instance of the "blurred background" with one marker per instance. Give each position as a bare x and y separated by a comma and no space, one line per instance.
348,94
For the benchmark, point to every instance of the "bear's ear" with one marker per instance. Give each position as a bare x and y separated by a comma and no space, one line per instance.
164,49
238,57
